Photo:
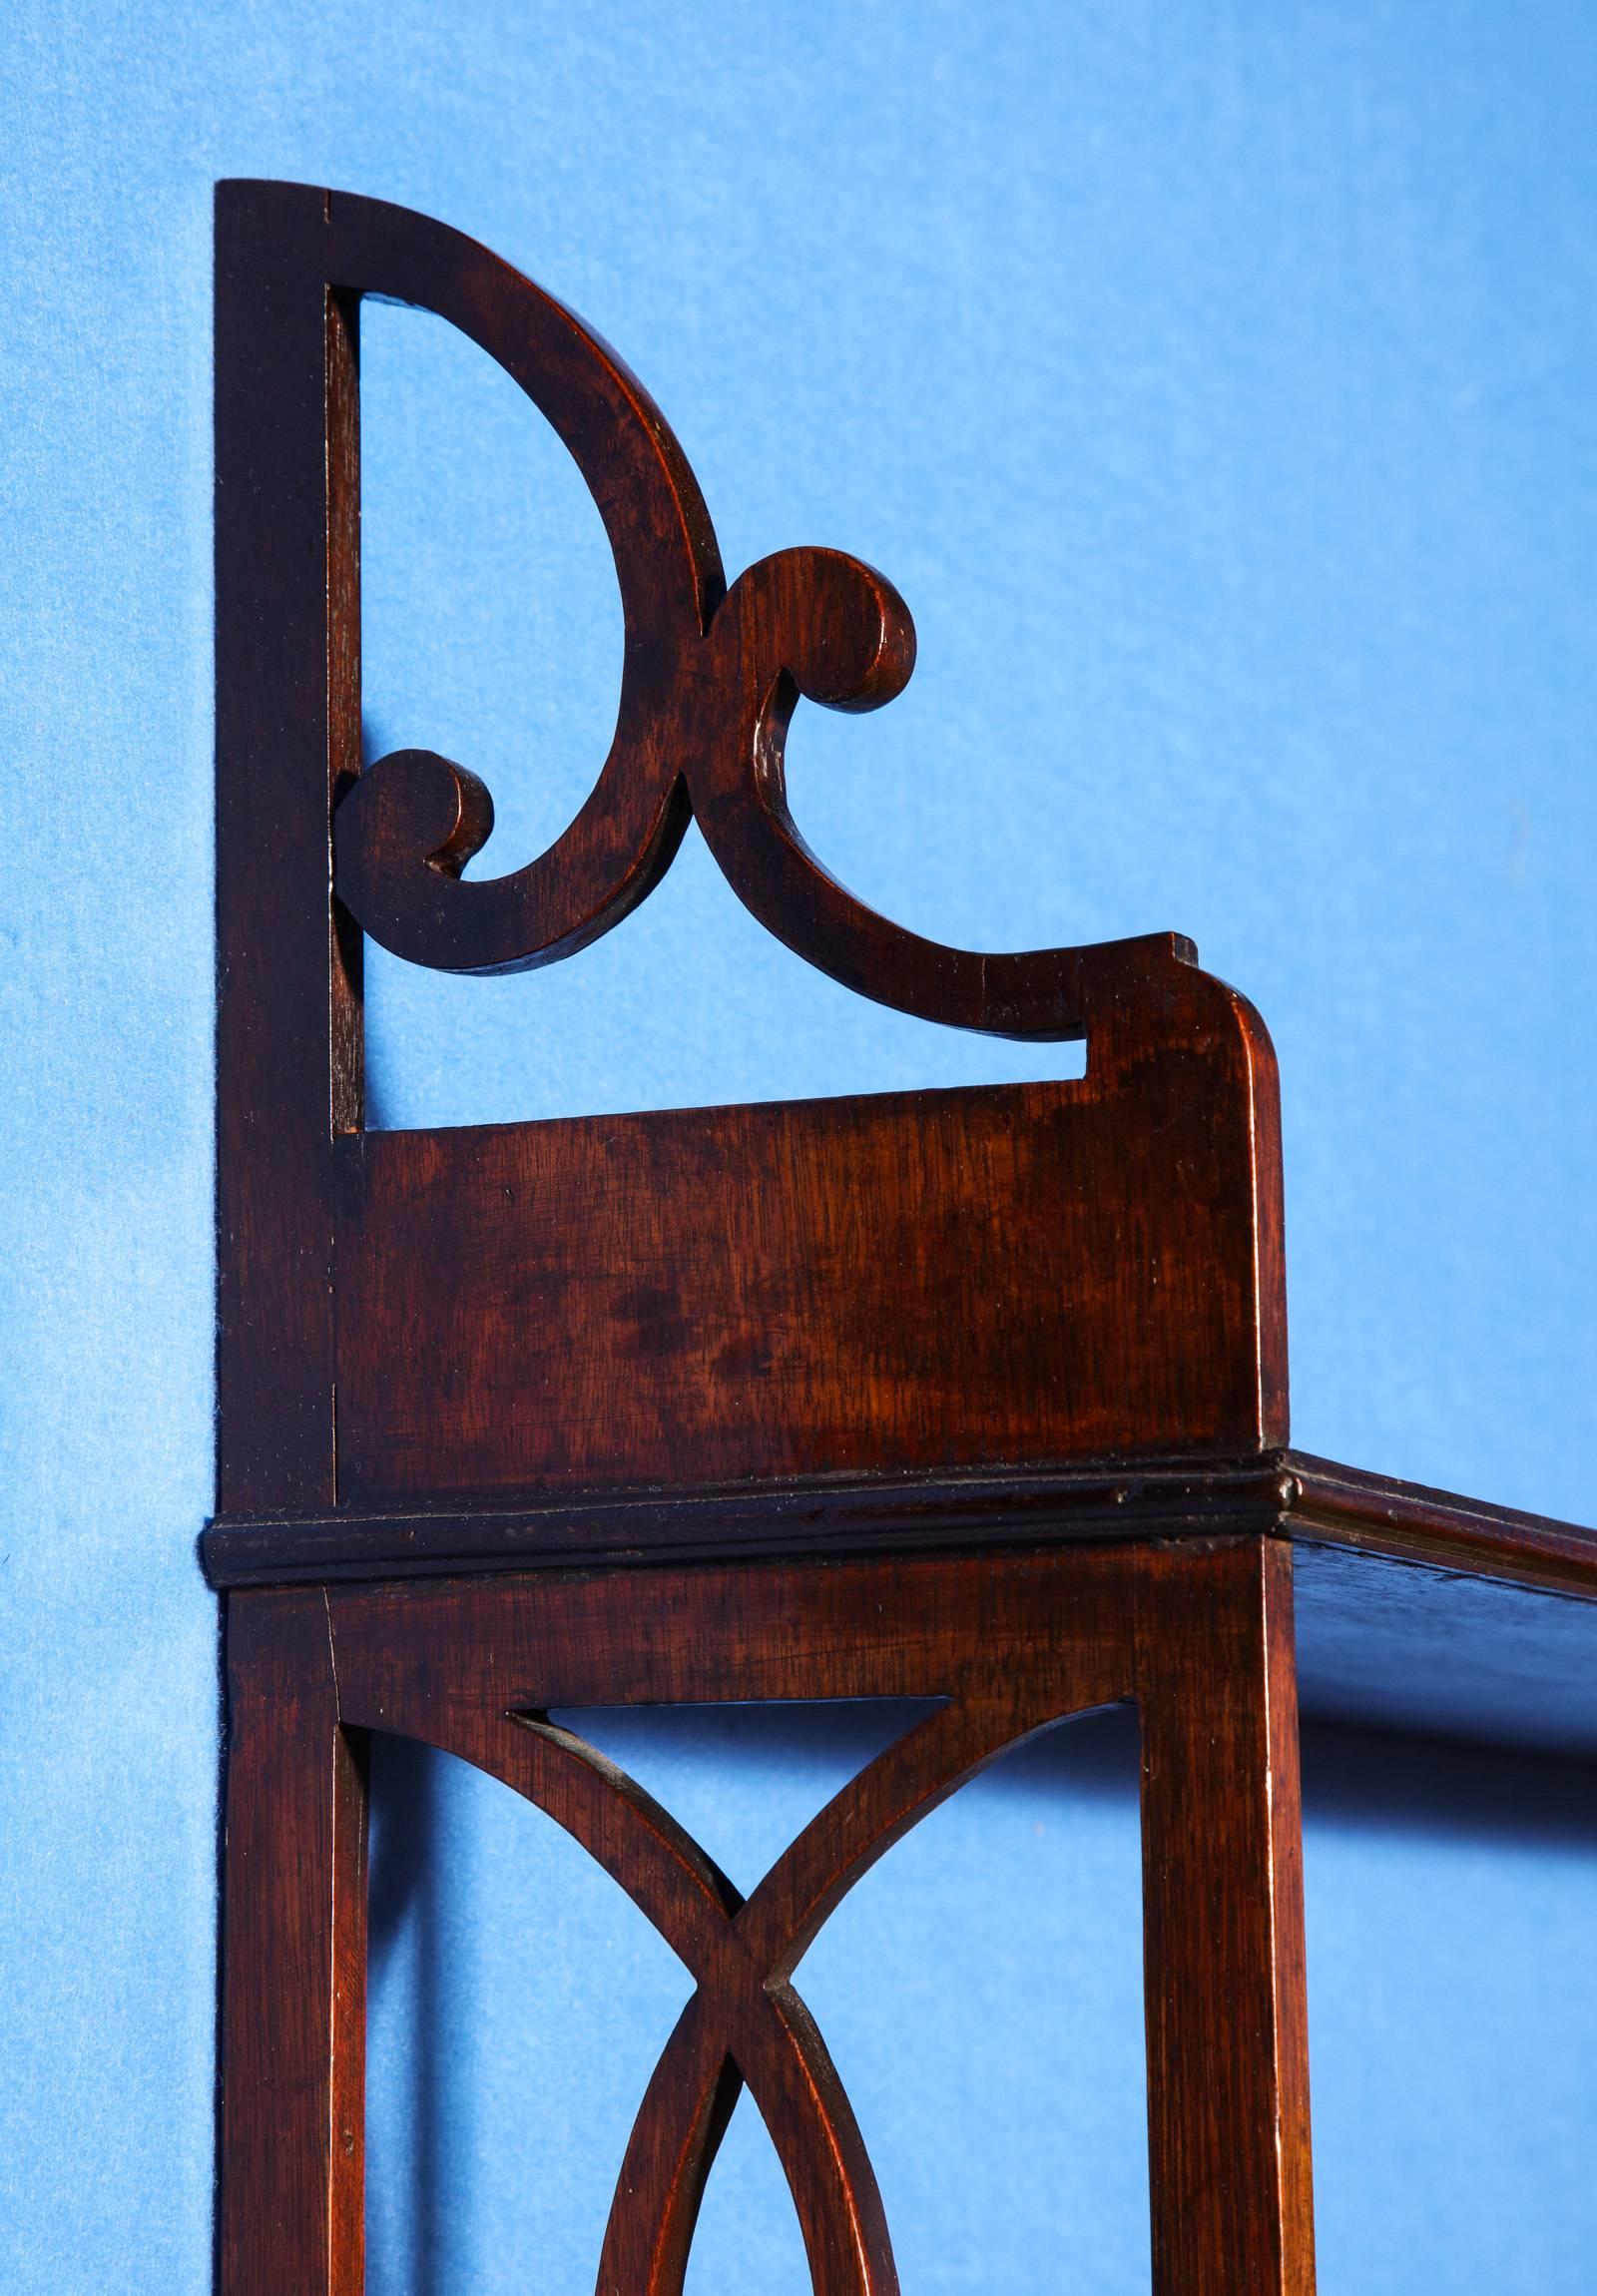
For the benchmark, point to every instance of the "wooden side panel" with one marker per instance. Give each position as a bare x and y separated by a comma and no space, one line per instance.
926,1281
1200,1635
937,1281
749,1301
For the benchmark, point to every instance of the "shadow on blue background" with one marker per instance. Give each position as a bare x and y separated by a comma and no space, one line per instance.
1217,387
989,2038
1452,1889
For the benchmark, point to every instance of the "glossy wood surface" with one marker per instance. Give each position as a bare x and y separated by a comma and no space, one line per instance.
1124,1497
1199,1636
1417,1609
975,1396
293,1964
1015,1277
930,1280
1283,1493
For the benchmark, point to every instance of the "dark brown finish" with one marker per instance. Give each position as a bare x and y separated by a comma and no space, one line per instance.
1415,1608
978,1397
1409,1522
1284,1493
929,1281
1223,1935
1200,1635
293,1962
710,684
287,719
814,1515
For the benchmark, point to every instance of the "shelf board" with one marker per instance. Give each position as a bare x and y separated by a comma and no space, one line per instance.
1417,1609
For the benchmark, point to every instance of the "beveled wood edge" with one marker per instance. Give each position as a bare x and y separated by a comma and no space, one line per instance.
1351,1507
820,1515
1282,1494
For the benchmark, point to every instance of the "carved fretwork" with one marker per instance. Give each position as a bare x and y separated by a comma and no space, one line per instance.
1008,1363
1199,1637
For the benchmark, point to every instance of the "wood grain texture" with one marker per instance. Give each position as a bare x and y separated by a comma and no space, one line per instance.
710,683
1416,1610
293,2053
1409,1522
977,1396
1197,1635
930,1282
823,1514
1312,1500
940,1319
927,1281
1226,2005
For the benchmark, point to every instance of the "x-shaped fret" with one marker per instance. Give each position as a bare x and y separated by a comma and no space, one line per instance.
746,2022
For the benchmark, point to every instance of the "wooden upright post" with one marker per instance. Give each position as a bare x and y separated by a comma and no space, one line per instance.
293,1962
1223,1932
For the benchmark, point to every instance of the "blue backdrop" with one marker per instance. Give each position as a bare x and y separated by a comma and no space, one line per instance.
1216,384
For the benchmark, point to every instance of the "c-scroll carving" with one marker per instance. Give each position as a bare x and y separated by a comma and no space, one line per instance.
710,683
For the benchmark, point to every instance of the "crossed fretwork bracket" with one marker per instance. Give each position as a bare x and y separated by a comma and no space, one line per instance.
746,2022
1197,1635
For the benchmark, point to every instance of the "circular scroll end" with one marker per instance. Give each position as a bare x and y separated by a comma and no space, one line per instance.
410,811
846,636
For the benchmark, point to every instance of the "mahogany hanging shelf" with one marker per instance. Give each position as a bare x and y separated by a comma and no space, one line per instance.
973,1395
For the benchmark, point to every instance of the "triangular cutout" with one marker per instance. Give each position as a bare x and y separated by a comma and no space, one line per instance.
748,2235
746,1780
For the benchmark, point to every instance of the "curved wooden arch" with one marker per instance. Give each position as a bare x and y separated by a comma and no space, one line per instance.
745,2023
709,687
414,819
799,1291
930,1340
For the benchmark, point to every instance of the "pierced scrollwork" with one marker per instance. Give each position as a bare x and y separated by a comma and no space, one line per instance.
746,2023
710,683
